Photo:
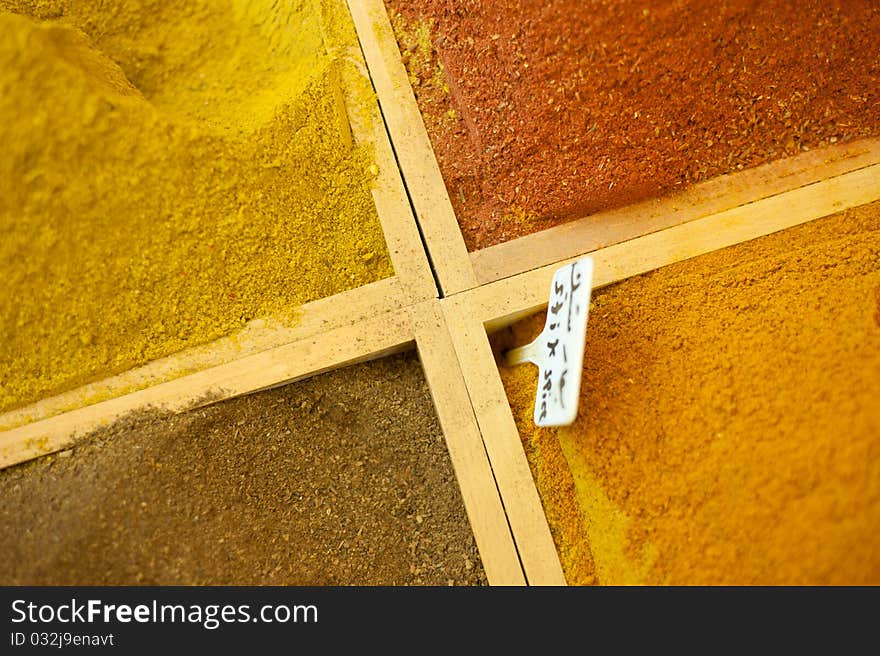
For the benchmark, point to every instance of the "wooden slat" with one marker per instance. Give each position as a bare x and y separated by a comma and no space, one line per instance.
415,155
399,227
704,199
392,203
501,439
379,335
469,460
312,319
505,301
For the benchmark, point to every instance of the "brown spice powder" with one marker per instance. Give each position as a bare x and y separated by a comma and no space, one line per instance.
548,111
342,479
728,429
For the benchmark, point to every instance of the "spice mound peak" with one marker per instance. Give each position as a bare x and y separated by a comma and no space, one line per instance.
228,65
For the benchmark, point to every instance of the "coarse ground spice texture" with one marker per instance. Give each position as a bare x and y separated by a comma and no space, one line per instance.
343,479
170,171
728,428
540,112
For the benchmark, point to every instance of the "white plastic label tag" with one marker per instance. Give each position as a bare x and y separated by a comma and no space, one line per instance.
561,353
559,349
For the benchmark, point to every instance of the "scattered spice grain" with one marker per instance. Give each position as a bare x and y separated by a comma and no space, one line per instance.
728,428
540,112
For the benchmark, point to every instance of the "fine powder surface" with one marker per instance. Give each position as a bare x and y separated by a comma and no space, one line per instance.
170,171
728,430
343,479
540,112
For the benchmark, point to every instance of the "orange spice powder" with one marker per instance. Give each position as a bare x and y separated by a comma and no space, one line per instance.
729,429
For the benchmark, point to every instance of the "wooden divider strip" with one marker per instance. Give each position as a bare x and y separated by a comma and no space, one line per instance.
720,194
501,439
502,302
259,335
425,185
469,460
402,237
379,335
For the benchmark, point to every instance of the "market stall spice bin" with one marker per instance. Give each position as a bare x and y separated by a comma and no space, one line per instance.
544,112
166,204
343,479
728,429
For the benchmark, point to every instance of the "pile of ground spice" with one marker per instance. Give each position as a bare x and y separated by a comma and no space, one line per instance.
728,428
342,479
540,112
170,171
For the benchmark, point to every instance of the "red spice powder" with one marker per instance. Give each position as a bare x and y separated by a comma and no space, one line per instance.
549,111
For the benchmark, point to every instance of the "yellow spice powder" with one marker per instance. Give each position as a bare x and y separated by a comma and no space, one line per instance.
170,171
728,429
